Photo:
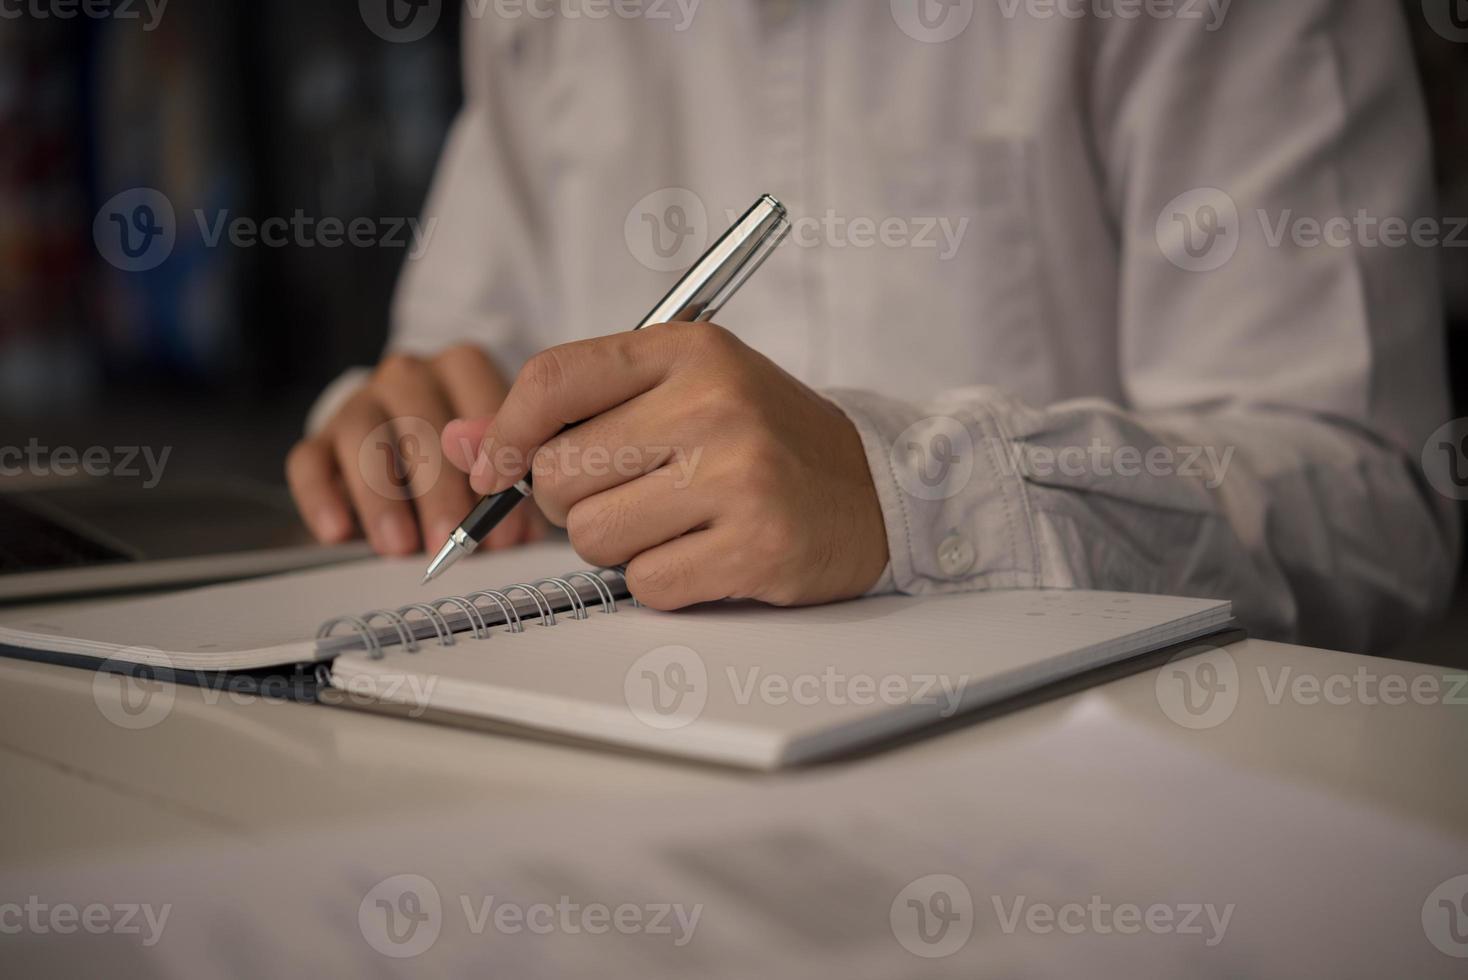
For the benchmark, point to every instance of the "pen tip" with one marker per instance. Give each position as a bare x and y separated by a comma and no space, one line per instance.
446,556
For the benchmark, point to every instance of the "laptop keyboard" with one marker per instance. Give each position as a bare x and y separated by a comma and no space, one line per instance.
30,542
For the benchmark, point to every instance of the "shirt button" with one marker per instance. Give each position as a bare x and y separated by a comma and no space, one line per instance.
956,555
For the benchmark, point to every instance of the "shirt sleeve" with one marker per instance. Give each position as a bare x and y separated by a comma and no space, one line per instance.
1278,391
475,279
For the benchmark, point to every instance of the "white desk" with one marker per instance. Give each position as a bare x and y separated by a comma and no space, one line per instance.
79,788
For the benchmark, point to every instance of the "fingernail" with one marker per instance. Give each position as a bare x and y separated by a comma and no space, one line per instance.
395,533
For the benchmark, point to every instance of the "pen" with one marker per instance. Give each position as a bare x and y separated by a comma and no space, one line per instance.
699,295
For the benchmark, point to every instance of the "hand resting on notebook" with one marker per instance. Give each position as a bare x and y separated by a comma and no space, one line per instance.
353,471
694,460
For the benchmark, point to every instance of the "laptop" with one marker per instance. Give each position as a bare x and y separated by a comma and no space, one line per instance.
86,538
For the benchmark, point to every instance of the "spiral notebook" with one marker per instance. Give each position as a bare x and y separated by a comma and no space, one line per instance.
570,654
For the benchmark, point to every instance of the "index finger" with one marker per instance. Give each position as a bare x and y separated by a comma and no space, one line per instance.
565,385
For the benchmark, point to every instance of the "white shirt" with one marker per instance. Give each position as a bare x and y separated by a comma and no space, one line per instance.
1064,375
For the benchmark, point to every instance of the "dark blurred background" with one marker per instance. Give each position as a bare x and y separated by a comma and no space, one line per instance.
254,107
261,108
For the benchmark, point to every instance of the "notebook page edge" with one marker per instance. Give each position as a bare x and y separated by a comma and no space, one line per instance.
882,723
708,739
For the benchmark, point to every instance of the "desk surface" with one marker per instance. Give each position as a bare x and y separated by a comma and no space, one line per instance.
218,768
222,765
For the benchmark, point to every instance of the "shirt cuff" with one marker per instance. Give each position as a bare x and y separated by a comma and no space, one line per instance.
954,504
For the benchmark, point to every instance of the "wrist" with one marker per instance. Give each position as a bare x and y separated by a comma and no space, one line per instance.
867,558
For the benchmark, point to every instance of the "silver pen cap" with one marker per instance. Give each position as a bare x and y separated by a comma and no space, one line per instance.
741,250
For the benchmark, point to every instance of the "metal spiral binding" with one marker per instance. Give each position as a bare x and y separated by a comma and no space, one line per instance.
481,632
506,604
440,625
547,614
608,601
469,605
578,608
369,635
405,632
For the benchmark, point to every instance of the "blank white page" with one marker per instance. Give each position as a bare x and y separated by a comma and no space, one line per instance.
269,621
764,687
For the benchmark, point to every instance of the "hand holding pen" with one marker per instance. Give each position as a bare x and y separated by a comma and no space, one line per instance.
697,296
761,489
